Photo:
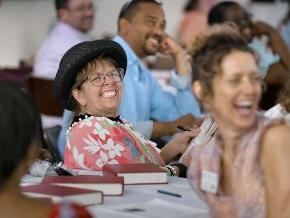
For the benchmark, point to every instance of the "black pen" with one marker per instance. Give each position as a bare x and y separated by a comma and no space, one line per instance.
169,193
182,128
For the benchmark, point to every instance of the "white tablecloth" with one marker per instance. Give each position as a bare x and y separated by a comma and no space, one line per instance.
138,197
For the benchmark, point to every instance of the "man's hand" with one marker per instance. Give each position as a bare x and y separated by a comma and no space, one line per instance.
188,121
169,128
260,28
276,42
181,58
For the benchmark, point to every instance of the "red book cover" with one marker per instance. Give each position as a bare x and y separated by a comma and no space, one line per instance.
109,185
138,173
59,193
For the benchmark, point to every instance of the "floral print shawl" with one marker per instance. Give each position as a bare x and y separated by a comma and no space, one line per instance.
95,141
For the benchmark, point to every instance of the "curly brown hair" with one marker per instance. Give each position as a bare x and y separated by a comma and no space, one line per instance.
209,50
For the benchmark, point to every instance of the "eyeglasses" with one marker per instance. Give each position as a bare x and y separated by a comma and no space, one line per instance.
98,79
130,4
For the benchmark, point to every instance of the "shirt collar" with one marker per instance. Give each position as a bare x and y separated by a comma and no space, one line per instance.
132,58
85,116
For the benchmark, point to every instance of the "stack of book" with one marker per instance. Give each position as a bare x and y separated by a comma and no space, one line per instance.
109,185
90,189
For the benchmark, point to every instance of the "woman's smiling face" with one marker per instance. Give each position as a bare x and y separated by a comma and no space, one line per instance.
100,98
236,91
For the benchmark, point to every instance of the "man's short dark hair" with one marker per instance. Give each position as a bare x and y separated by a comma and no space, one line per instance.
60,4
218,14
191,5
129,8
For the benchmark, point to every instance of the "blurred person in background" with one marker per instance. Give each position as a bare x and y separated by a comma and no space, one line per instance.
282,108
141,32
194,20
20,140
75,19
285,27
267,42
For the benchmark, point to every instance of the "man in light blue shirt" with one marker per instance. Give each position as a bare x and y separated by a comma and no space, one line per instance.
141,32
144,100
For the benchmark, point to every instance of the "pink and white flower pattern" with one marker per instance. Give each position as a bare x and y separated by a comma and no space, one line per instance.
96,141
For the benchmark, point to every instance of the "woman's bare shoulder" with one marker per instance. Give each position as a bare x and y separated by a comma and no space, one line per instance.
275,164
276,136
276,146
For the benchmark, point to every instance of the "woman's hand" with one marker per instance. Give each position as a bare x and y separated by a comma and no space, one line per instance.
178,144
181,140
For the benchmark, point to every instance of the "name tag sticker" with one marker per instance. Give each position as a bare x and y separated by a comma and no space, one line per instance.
209,181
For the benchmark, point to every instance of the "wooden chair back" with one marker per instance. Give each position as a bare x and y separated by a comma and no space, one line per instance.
42,90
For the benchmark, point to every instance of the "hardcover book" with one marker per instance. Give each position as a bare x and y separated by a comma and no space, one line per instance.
110,185
59,193
138,173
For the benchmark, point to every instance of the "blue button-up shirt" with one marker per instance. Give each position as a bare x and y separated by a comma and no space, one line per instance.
144,99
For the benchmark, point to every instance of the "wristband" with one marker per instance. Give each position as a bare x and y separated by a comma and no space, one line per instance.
172,170
182,169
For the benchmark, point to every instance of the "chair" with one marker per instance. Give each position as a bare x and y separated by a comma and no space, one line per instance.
15,75
50,137
41,89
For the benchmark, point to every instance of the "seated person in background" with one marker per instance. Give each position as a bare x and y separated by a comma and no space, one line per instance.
194,20
151,110
19,131
234,172
285,27
142,33
75,18
282,108
274,58
89,82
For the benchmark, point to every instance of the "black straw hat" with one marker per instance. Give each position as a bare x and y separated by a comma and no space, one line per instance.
76,58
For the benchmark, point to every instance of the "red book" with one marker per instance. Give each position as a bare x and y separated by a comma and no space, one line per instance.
139,173
109,185
60,193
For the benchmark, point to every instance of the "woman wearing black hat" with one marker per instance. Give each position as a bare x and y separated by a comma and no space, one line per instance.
89,82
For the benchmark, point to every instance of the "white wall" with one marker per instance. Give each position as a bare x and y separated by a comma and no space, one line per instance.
273,14
24,23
